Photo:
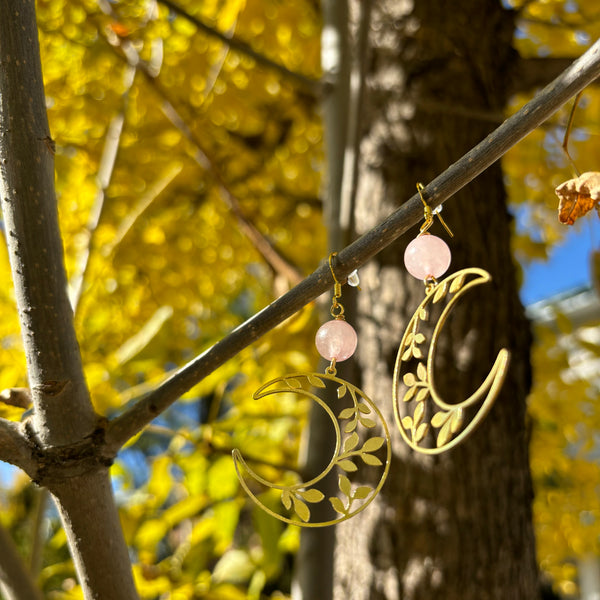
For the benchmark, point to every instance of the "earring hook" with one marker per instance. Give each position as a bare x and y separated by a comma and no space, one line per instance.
429,213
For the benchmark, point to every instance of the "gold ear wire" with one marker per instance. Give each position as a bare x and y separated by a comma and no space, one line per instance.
337,310
429,214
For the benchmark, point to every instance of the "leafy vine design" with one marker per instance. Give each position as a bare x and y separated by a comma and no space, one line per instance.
447,419
360,413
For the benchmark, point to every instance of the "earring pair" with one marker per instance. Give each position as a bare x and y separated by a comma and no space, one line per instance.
427,258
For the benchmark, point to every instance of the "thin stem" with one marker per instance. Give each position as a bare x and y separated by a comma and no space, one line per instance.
582,72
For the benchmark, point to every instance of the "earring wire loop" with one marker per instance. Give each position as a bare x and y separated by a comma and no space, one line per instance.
429,214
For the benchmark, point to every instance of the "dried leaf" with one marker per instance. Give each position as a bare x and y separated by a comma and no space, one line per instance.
578,196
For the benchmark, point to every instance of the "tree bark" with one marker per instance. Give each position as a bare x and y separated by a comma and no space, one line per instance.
64,424
456,526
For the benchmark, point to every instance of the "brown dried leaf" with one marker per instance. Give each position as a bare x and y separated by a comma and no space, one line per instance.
578,196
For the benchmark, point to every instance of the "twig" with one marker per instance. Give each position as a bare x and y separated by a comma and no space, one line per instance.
565,144
273,258
314,85
15,582
580,74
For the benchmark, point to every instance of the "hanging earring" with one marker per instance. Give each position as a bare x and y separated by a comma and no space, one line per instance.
428,257
336,341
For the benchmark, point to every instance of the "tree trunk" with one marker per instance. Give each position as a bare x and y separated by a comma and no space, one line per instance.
64,427
456,526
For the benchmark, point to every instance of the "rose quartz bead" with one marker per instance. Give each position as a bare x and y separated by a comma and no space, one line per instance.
427,256
336,339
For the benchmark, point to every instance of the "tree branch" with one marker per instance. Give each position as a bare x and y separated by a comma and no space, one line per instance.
14,448
580,74
263,246
63,411
238,45
15,581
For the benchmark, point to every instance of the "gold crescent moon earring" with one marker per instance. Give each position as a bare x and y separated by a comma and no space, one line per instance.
336,341
428,257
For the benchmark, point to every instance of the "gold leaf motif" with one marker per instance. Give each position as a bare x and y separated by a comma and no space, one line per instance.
347,413
301,509
286,499
369,459
409,379
457,283
440,292
338,505
418,414
410,392
293,383
341,391
312,495
373,444
344,485
407,353
440,418
363,408
368,423
315,381
423,393
347,465
407,422
351,442
362,492
422,430
444,434
457,420
421,371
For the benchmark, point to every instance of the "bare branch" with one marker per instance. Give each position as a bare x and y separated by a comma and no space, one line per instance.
16,583
234,43
580,74
273,258
14,447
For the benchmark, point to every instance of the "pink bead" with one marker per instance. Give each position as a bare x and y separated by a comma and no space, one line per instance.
427,256
336,339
